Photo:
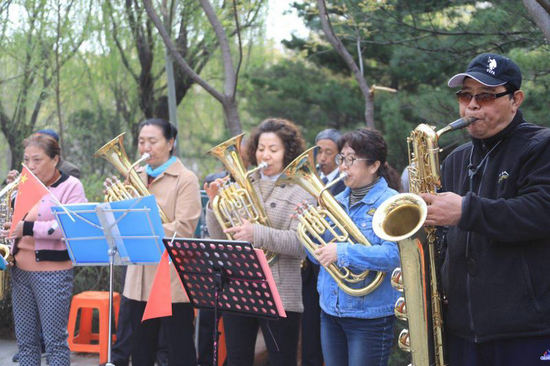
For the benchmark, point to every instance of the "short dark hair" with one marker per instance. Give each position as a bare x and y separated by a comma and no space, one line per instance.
287,131
169,131
370,144
45,142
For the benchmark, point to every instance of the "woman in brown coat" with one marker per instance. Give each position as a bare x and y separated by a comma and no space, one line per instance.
276,142
176,190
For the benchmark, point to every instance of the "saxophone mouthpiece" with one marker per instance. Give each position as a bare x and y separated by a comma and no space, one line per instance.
462,122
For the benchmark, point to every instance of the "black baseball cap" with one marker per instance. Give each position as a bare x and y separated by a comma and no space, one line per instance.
491,70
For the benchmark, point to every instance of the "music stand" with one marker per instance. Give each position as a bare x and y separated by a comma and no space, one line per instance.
223,275
112,233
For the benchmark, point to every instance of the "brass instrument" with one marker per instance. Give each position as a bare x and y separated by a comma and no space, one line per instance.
313,222
113,151
237,200
6,210
4,253
399,219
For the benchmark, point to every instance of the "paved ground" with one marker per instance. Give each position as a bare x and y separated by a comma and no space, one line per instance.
8,347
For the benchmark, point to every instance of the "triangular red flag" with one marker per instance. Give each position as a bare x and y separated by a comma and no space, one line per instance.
159,303
29,191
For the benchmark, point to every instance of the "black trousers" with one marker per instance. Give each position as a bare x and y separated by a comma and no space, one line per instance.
281,339
179,332
528,351
312,354
120,352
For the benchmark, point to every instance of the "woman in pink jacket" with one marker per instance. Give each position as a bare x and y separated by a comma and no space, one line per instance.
42,275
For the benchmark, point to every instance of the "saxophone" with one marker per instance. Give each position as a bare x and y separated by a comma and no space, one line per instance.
400,218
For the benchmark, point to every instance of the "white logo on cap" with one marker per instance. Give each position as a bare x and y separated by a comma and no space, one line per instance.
491,66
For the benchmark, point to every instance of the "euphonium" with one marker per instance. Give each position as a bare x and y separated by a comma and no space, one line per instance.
237,200
114,153
400,219
4,253
314,223
5,216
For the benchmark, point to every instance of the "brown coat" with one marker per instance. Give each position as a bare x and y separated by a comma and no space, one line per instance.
281,237
177,193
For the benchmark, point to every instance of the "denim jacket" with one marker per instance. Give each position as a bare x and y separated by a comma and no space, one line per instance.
380,256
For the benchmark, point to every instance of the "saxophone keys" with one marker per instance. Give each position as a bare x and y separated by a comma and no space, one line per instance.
397,279
400,309
404,341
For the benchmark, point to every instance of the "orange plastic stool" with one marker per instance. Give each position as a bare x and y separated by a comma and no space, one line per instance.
85,340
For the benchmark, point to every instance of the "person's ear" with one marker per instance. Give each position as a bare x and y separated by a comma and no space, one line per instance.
517,98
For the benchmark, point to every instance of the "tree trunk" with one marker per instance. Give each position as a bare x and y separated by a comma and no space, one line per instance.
540,14
233,120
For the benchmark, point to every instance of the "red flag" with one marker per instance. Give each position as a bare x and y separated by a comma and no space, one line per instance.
29,191
159,303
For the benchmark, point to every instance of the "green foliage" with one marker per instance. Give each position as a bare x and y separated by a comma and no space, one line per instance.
319,100
89,131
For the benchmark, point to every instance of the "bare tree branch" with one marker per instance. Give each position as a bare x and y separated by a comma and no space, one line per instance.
175,54
230,77
539,10
348,59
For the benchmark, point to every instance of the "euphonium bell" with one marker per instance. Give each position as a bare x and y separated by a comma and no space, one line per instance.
313,223
237,200
114,153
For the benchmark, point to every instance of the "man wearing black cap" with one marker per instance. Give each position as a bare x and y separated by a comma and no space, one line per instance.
495,203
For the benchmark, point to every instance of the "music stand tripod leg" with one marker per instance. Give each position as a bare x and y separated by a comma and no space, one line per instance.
218,288
107,227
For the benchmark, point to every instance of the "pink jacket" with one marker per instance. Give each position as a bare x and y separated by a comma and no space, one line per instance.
44,230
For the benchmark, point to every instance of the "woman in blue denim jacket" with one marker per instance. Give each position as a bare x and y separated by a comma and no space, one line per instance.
358,330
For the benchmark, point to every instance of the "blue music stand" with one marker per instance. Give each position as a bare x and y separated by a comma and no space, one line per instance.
112,233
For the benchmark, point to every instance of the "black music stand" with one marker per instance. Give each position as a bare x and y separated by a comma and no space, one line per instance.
223,275
116,233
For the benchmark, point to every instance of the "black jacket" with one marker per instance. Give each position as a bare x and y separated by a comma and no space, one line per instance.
496,272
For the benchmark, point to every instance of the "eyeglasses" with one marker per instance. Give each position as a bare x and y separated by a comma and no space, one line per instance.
481,98
347,160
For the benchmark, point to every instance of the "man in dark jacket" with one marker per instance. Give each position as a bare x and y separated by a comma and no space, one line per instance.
495,202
